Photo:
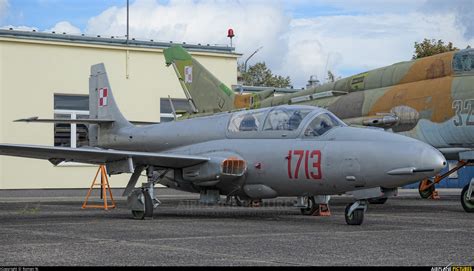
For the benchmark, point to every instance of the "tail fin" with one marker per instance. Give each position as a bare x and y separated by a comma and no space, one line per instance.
207,93
102,105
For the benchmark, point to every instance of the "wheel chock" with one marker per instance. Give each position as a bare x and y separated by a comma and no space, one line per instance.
434,195
256,203
323,210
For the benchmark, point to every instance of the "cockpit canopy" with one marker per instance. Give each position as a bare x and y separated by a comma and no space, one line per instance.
463,61
283,121
288,119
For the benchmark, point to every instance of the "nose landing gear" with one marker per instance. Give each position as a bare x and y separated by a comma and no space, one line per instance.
354,212
427,189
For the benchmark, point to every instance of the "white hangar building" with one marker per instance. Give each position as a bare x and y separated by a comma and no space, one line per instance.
47,75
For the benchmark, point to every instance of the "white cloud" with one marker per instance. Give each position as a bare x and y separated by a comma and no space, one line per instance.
463,10
3,8
20,27
255,24
64,27
380,35
362,42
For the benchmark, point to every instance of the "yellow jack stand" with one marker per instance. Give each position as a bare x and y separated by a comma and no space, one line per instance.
104,186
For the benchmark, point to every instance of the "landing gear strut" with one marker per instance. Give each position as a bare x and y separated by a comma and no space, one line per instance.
247,202
354,213
142,201
316,206
427,189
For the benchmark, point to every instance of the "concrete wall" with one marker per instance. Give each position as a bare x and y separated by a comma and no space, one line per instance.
31,71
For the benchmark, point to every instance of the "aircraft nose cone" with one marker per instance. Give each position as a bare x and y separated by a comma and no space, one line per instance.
431,158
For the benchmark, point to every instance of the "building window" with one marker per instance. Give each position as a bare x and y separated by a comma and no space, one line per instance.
71,107
180,106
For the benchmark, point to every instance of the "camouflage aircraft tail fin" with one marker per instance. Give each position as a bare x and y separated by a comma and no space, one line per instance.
208,94
102,105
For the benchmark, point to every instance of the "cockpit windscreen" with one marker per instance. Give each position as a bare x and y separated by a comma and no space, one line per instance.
321,124
288,119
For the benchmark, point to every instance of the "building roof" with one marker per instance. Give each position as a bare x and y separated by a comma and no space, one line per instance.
111,41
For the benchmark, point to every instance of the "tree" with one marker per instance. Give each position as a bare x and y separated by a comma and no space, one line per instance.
432,47
260,75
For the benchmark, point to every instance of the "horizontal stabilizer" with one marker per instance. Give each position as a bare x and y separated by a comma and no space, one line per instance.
81,121
100,156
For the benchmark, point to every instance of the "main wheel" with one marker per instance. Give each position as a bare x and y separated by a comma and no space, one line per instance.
377,200
142,205
468,205
241,202
138,214
356,218
311,207
148,204
427,192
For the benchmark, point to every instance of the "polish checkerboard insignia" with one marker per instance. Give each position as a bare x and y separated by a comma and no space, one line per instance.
103,92
188,74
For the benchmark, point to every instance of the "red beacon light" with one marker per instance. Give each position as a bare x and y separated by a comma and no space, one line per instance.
230,35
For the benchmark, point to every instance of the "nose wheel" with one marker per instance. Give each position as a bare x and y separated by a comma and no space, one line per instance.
354,212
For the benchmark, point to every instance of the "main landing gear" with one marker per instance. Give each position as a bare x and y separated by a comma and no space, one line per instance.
142,201
354,212
467,197
246,202
314,205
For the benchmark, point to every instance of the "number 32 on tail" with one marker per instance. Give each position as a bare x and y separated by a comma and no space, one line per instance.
312,164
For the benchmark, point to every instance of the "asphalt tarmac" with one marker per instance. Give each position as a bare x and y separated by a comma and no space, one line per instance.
52,230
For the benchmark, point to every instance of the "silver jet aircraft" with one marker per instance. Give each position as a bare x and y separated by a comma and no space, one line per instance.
300,151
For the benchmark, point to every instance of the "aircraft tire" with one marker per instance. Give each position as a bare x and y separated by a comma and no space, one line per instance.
467,205
377,200
356,218
139,215
425,193
312,207
148,205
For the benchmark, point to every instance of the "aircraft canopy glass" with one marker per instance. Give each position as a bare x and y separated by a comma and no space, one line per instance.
464,61
321,124
247,121
288,119
282,121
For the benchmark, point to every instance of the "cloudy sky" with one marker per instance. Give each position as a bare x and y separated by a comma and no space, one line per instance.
299,37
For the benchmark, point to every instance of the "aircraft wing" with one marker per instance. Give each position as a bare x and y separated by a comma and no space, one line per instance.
100,156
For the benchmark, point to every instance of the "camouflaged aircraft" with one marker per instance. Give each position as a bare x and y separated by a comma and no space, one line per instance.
289,150
430,99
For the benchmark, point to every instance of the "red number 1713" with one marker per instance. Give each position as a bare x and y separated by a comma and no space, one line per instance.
312,164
